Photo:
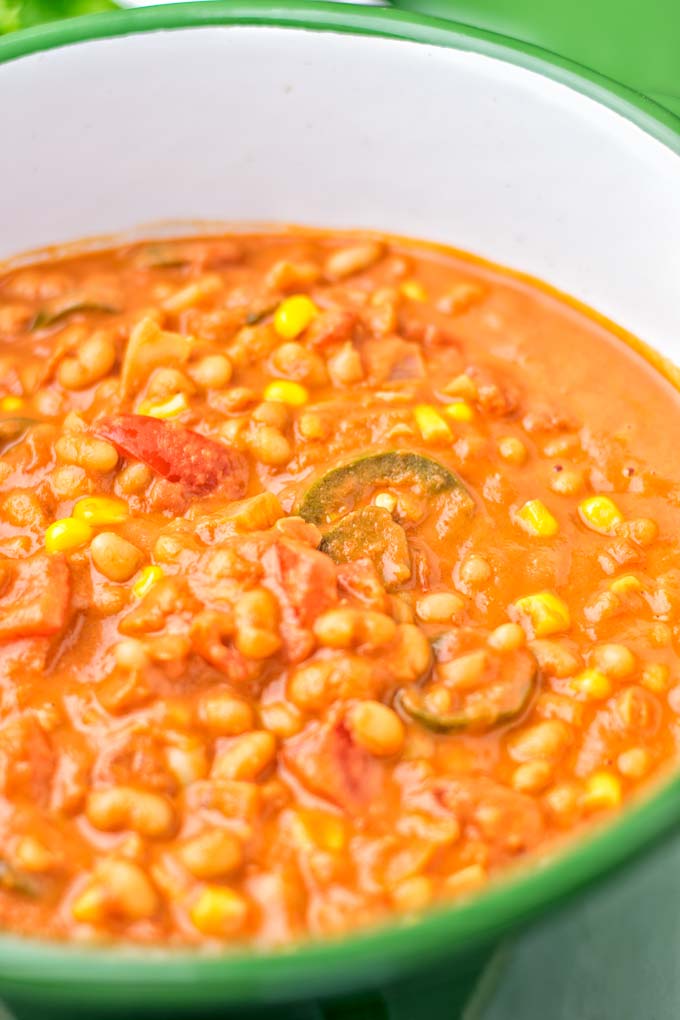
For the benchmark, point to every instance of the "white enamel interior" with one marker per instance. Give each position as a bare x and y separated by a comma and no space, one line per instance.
272,124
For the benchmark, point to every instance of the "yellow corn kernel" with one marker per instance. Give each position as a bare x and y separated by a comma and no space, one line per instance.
459,410
386,500
320,829
547,613
219,911
603,790
100,510
413,290
536,519
91,906
283,391
593,684
10,404
294,315
146,579
430,423
626,584
169,407
600,513
67,534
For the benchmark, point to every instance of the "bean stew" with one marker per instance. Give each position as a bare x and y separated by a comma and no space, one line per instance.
338,573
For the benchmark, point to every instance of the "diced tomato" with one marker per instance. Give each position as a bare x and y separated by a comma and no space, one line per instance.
332,327
360,580
27,759
23,658
431,334
500,399
330,764
34,596
509,821
198,463
390,357
540,419
303,580
70,779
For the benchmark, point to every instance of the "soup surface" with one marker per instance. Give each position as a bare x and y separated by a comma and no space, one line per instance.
337,574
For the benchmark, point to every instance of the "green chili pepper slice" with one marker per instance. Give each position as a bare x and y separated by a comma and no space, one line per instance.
161,256
259,314
341,490
371,533
51,316
502,696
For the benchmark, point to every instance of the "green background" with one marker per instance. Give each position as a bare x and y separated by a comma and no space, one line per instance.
16,14
635,42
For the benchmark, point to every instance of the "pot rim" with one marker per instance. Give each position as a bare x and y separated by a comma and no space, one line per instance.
317,15
32,968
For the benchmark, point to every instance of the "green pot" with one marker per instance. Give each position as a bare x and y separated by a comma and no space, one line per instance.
342,116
